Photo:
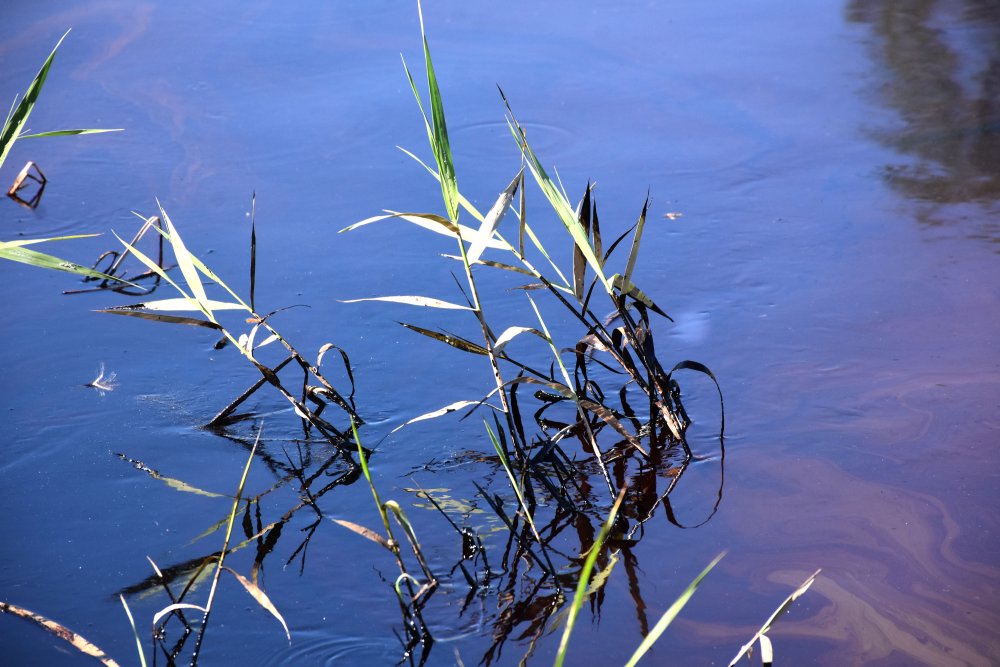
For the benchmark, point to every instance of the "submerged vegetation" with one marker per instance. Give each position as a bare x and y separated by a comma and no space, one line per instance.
588,437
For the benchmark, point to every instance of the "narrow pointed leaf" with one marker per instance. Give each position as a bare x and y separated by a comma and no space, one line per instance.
61,631
626,286
492,220
261,598
15,123
579,260
367,533
522,218
15,253
180,305
424,301
496,265
63,133
556,198
452,407
135,632
671,614
441,145
186,264
595,234
429,221
253,249
24,242
434,223
454,341
633,254
776,616
161,317
584,580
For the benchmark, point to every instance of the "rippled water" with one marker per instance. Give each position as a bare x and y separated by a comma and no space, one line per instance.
837,172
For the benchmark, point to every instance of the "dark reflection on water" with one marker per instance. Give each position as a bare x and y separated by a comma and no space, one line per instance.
941,63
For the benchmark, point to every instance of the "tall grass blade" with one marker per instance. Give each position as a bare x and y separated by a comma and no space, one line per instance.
24,242
584,580
15,123
61,631
135,633
225,547
522,218
633,253
556,198
495,265
552,345
579,260
19,114
670,614
595,234
440,144
774,618
253,250
505,462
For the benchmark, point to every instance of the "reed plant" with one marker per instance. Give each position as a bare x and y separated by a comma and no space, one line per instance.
601,407
540,471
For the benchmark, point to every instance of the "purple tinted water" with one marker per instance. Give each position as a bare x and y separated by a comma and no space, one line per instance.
837,169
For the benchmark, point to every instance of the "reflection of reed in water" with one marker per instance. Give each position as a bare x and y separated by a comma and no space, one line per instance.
942,67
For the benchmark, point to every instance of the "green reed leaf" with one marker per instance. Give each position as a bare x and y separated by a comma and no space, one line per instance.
671,614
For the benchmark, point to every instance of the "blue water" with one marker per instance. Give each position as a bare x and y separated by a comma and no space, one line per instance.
835,167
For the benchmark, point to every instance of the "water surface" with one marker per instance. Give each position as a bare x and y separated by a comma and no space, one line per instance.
836,168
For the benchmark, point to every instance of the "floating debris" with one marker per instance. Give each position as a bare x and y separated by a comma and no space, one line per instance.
103,383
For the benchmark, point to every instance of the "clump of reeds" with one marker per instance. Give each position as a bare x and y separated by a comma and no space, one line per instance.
629,444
